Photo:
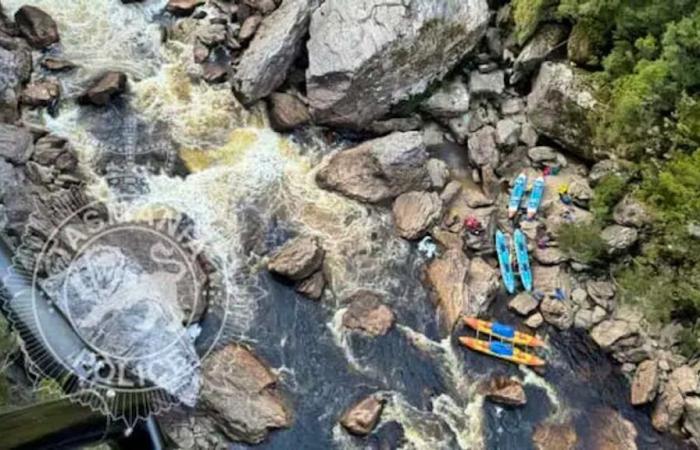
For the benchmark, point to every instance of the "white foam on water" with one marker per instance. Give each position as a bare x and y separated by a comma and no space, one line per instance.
560,412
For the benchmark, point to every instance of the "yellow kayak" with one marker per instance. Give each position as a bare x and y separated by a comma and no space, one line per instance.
502,350
503,332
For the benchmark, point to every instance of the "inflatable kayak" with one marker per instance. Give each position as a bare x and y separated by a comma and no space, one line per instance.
502,350
504,261
533,203
516,195
523,259
502,331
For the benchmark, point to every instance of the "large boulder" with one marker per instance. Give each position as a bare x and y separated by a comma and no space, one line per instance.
367,55
618,238
482,147
448,276
523,304
669,407
505,391
366,313
37,27
104,89
451,100
537,50
15,144
608,332
379,169
557,313
560,106
484,282
297,259
691,421
361,418
415,212
287,112
265,63
630,212
645,383
239,393
15,68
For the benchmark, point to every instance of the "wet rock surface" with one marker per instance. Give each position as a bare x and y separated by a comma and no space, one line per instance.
361,418
297,259
36,26
104,89
505,391
421,42
367,313
415,213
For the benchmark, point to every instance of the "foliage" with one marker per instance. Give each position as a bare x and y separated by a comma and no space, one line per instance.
528,14
582,242
608,192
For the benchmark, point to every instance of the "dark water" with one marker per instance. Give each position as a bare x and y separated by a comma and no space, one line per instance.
293,332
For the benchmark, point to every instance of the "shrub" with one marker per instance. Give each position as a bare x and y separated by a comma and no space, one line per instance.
528,14
607,193
582,242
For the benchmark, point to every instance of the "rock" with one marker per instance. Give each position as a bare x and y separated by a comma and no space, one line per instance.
554,436
598,315
489,84
214,72
542,154
451,191
239,392
528,135
415,212
583,319
41,93
379,169
602,292
266,62
668,408
448,276
537,50
512,106
645,383
367,314
631,213
557,313
685,378
505,391
287,112
15,68
354,58
482,147
361,418
618,238
549,256
56,64
297,259
534,321
451,100
547,279
438,172
249,27
15,144
264,6
608,332
507,132
558,88
610,431
691,422
473,196
483,284
580,191
313,286
37,27
523,304
182,7
104,88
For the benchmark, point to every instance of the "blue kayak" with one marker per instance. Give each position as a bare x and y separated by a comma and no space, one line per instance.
533,203
504,261
516,195
523,259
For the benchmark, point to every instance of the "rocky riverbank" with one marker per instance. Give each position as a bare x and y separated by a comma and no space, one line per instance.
438,110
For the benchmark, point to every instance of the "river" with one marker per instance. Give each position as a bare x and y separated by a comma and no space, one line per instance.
248,189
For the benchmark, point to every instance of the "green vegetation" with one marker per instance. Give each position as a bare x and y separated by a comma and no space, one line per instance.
582,242
646,57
